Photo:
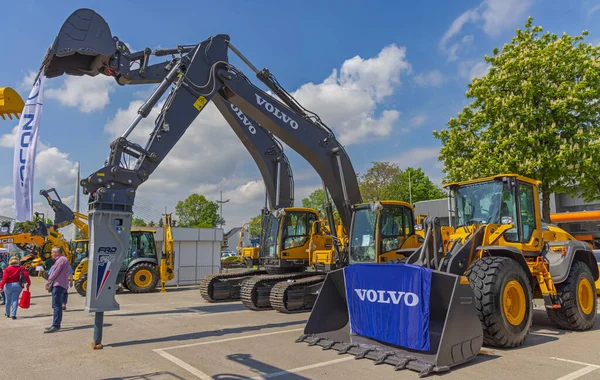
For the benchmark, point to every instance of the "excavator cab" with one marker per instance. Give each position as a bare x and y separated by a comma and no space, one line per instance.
286,239
382,232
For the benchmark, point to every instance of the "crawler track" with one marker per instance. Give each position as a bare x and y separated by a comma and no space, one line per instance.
293,296
255,291
227,281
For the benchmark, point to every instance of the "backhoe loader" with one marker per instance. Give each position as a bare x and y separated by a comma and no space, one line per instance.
140,271
500,257
248,254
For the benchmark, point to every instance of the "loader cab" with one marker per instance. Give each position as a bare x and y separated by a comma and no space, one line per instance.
503,200
380,229
79,249
286,237
142,247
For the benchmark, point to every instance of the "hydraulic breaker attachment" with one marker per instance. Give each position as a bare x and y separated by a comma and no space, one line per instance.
11,103
455,332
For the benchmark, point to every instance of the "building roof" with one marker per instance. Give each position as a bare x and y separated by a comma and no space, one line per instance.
232,232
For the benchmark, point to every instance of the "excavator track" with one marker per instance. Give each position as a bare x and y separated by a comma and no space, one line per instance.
255,291
224,287
295,296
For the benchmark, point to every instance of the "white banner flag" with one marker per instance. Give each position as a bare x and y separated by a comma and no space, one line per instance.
24,156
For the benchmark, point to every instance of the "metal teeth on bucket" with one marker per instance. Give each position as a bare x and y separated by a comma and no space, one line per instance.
398,359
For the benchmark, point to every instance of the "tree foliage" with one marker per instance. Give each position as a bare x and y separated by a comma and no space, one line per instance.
386,181
79,235
316,201
535,113
255,225
197,212
27,226
139,222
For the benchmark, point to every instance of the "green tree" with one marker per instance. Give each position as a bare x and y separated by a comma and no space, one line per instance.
535,113
316,201
198,212
256,225
386,181
138,222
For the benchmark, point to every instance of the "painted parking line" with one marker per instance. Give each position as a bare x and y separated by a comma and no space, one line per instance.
203,376
588,368
305,368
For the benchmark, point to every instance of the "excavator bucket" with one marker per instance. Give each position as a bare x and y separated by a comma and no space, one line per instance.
450,324
11,103
84,46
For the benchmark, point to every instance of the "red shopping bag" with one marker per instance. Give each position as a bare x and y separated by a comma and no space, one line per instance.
25,300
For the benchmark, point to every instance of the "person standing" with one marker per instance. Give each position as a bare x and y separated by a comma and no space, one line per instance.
59,281
71,272
11,285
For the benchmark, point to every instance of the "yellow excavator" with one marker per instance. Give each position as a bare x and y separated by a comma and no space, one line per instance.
249,255
141,270
11,103
500,257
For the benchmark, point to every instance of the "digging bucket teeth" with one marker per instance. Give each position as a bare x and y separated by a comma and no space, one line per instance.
455,331
11,104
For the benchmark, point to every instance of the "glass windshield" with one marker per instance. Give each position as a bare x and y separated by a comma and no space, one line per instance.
362,246
269,246
478,203
597,254
142,245
396,225
296,229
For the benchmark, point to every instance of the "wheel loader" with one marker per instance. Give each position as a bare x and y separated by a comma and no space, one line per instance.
480,291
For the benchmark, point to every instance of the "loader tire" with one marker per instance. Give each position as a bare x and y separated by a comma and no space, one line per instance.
503,300
577,297
142,278
81,285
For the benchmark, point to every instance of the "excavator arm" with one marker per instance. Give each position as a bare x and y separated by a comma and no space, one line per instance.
195,75
63,215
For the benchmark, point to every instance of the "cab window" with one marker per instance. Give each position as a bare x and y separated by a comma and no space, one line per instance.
395,226
297,229
526,202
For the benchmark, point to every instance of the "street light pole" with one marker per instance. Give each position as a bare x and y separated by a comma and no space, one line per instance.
221,201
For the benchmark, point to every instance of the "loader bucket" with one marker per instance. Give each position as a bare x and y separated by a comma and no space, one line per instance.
455,332
11,103
84,46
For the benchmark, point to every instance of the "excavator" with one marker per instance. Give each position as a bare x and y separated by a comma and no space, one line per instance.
195,75
248,254
480,290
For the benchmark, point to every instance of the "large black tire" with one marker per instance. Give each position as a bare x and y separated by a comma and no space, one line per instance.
45,274
81,285
137,279
489,277
571,315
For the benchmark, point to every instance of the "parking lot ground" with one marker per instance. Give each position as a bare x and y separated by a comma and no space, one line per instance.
177,335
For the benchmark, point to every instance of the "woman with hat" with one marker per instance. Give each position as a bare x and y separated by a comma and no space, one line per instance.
11,286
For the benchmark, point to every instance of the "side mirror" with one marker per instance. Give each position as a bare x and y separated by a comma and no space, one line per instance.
419,227
507,220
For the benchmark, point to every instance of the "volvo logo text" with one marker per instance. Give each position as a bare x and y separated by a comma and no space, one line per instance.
387,296
276,111
244,119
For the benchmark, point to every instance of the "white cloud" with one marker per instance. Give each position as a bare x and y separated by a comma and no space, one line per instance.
6,190
347,100
7,207
593,10
494,17
27,82
425,158
473,69
455,28
418,120
85,93
7,140
433,78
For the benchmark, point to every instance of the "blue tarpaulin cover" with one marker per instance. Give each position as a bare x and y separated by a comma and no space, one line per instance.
389,303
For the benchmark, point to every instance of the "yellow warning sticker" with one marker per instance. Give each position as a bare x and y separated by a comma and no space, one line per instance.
200,103
100,174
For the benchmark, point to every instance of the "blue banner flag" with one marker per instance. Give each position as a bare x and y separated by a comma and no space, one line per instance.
389,303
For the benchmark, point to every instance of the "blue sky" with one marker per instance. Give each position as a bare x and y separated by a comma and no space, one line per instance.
383,75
